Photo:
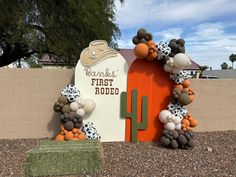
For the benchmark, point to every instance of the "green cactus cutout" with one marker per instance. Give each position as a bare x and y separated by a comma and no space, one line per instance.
133,115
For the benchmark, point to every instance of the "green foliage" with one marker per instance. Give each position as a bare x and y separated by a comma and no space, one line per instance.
135,125
58,27
224,66
202,68
232,58
33,62
64,158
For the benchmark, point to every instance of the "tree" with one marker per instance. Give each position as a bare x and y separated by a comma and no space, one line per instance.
60,27
224,66
232,58
202,68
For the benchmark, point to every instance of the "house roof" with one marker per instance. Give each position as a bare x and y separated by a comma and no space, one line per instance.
52,60
128,54
222,74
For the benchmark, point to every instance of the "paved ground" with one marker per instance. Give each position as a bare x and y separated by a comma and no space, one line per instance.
214,155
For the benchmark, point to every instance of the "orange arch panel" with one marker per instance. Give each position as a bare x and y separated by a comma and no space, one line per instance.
150,79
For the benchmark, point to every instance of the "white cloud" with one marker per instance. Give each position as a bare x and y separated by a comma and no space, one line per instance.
139,12
209,29
209,45
125,43
172,33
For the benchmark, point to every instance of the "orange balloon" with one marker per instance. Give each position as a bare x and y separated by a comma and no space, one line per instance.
186,83
76,135
151,56
59,137
185,122
151,42
179,86
82,136
191,98
75,130
152,47
141,50
193,122
69,135
62,127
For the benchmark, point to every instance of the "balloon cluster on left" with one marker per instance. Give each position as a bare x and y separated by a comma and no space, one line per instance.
72,109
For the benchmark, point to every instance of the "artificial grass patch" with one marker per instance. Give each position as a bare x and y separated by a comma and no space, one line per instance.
64,158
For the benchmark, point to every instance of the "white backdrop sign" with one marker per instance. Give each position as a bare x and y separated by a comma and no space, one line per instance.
101,74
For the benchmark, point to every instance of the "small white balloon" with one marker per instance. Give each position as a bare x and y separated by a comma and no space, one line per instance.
80,112
163,116
170,62
89,105
176,120
167,68
169,126
79,101
74,106
178,127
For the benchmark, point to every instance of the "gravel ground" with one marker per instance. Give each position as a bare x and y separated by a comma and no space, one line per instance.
214,155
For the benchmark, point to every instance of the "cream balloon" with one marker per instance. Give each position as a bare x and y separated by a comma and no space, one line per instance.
169,126
178,127
80,112
79,101
176,120
163,116
74,106
181,60
89,105
167,68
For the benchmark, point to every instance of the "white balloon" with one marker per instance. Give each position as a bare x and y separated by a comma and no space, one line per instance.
89,105
167,68
170,62
79,101
181,60
80,112
74,106
178,127
163,116
176,120
169,126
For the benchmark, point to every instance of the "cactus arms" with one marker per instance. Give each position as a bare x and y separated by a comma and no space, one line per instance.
133,115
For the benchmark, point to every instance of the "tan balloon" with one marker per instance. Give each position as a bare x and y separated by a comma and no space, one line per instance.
89,105
181,60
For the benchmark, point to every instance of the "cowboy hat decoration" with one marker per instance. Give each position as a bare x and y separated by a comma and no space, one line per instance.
97,51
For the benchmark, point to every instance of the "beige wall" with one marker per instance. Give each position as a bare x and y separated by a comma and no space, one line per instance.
215,104
27,97
26,101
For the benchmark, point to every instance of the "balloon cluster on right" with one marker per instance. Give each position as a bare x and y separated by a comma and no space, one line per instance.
178,122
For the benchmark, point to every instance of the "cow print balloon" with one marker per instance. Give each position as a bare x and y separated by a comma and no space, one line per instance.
163,50
177,110
180,77
70,92
90,131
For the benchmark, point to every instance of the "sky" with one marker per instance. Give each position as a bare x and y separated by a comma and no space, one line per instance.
208,26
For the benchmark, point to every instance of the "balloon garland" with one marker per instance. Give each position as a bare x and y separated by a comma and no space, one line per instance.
71,109
178,123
